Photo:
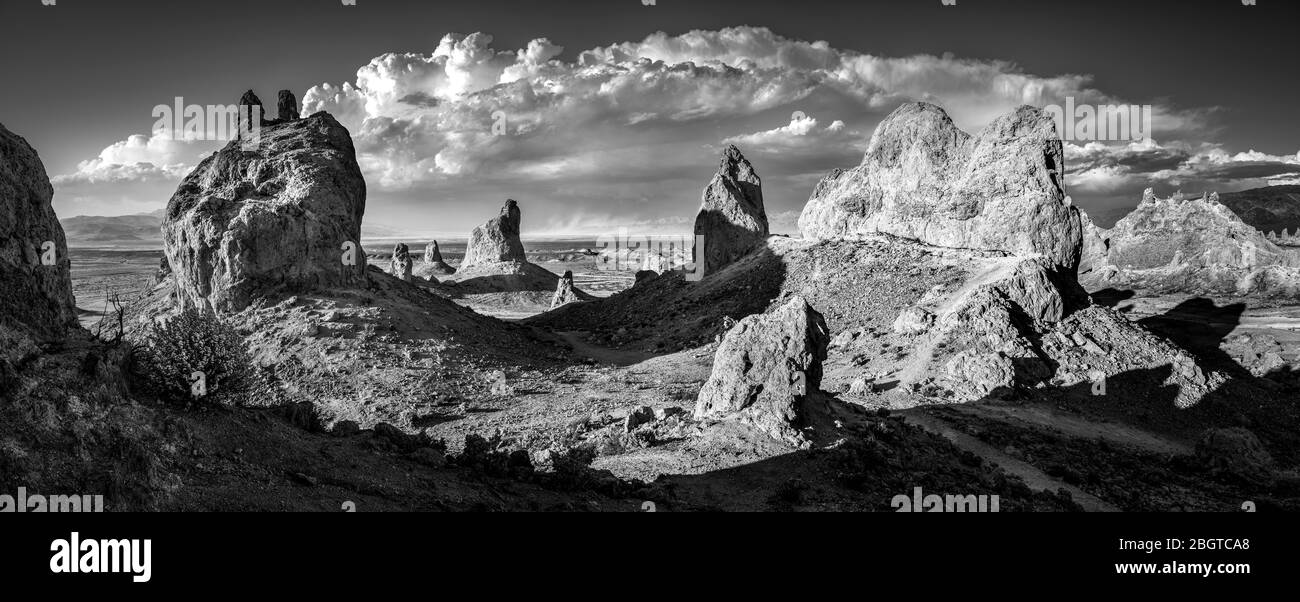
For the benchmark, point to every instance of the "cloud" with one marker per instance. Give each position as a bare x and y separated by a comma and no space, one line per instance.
139,158
630,133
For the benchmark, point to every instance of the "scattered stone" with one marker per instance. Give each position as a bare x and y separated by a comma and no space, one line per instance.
639,416
914,320
498,384
732,219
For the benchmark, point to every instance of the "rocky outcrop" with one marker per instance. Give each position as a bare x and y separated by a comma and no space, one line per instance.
35,273
766,369
731,218
1195,246
255,113
400,265
497,241
283,218
433,264
287,106
1096,246
565,293
926,180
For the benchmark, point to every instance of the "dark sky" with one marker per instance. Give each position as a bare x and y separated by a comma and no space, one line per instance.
81,75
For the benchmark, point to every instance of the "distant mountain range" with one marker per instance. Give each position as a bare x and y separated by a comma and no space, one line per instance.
144,230
140,230
1268,209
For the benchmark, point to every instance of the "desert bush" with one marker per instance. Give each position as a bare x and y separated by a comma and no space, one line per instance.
170,354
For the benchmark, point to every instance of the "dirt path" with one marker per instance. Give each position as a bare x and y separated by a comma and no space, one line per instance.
601,354
1075,426
1033,477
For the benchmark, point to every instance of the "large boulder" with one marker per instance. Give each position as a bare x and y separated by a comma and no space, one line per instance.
497,241
766,369
36,298
287,106
280,219
732,219
926,180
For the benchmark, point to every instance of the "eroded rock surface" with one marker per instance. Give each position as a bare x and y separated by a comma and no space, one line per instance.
267,222
732,219
35,284
496,241
924,179
766,369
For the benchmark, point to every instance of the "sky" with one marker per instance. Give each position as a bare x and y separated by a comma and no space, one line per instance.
615,112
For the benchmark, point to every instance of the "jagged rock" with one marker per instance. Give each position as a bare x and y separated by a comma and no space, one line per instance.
645,275
637,417
283,218
255,112
496,241
926,180
287,106
766,369
1233,450
731,218
1195,246
433,264
400,265
35,273
1096,245
564,291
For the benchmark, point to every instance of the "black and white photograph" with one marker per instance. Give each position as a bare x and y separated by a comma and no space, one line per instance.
651,256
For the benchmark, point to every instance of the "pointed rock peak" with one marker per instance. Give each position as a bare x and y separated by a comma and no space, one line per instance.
249,99
1149,195
432,254
498,240
288,106
734,165
732,219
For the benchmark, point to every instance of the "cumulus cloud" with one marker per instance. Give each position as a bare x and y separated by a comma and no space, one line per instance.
137,159
630,133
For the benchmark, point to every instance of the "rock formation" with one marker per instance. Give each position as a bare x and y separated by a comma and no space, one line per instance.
1194,246
1096,245
564,291
400,265
255,110
282,218
731,218
497,241
287,106
926,180
766,369
35,284
432,264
